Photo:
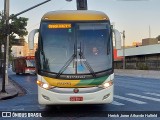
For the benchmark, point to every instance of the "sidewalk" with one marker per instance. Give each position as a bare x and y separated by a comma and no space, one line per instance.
138,73
10,89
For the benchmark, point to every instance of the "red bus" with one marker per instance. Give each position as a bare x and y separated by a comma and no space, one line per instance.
24,65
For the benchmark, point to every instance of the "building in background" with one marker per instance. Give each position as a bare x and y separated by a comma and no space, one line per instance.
141,55
117,59
149,41
18,51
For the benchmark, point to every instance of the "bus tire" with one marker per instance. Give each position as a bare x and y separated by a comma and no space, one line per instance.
17,73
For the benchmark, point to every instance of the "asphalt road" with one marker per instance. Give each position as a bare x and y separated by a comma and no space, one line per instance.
131,94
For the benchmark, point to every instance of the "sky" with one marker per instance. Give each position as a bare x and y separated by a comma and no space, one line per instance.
133,16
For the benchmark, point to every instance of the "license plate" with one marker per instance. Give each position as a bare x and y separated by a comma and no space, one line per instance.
76,98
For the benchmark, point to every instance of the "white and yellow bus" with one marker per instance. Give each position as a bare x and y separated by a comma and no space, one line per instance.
74,57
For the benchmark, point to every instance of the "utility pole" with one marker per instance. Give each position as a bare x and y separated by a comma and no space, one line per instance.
149,31
123,35
7,39
6,46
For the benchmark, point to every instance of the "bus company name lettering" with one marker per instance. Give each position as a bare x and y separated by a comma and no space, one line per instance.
76,76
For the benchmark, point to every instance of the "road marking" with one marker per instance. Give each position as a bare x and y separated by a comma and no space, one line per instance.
129,99
41,107
117,103
145,97
155,94
18,109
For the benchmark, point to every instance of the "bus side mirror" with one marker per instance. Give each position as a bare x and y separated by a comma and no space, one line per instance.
36,61
31,38
117,36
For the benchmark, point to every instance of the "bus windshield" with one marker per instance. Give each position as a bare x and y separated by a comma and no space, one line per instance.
75,48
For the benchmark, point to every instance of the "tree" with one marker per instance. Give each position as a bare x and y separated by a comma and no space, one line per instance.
17,26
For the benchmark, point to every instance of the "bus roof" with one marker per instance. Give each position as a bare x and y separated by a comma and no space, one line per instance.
75,15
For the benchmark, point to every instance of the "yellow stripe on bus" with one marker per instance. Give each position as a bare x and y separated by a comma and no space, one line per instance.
61,82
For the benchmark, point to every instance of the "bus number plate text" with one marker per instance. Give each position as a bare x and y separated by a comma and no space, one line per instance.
76,98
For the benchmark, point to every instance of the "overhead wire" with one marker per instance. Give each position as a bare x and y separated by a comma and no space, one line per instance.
61,8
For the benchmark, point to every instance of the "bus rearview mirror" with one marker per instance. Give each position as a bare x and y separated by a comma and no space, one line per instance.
117,36
31,38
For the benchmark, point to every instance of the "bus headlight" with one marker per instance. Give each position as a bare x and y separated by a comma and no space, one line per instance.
44,85
107,84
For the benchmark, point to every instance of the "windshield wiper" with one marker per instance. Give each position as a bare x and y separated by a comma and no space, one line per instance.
86,63
71,59
67,63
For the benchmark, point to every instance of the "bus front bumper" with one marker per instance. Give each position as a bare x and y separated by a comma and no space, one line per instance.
48,97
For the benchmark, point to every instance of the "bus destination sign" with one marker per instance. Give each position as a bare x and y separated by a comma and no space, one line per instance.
55,26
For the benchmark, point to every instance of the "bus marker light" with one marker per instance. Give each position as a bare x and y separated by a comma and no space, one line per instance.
44,85
38,82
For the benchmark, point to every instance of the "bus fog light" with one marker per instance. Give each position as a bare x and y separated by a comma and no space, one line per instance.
106,96
46,97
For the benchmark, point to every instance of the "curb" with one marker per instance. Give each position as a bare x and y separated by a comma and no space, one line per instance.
10,97
21,90
138,73
14,91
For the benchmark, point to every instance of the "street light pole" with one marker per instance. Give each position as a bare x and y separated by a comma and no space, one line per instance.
6,46
29,9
